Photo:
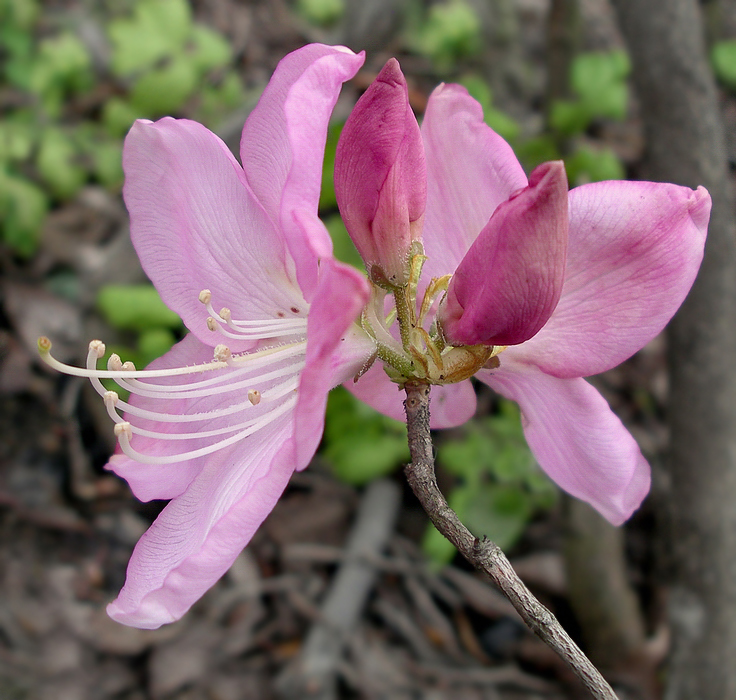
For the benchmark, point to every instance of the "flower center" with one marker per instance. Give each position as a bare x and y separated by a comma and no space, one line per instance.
243,394
421,351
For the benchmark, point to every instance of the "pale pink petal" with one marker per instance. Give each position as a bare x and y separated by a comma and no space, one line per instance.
165,481
196,538
196,225
470,171
283,141
576,438
336,349
634,251
451,404
509,282
381,175
198,535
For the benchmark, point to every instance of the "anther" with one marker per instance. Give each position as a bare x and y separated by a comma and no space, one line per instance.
205,296
111,397
225,314
254,396
128,366
222,353
97,347
123,430
212,324
115,364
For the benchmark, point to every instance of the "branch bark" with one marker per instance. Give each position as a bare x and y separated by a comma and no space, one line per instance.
685,144
484,554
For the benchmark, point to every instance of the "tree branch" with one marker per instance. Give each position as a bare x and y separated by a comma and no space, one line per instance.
484,554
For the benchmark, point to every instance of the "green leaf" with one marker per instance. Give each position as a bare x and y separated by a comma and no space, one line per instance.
723,58
452,31
164,90
135,307
321,12
210,49
23,207
360,443
63,63
158,29
154,343
57,163
593,165
118,116
16,140
19,15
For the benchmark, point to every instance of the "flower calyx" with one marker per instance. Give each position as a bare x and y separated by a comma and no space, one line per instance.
421,352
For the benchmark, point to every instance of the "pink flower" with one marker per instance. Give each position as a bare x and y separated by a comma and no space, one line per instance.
219,424
381,176
573,283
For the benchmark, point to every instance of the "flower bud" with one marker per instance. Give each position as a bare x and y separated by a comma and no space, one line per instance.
381,177
510,280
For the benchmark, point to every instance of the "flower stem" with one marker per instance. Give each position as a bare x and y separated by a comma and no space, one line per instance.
484,554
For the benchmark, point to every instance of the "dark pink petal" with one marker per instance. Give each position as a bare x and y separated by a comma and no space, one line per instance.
509,282
470,171
380,174
634,251
200,533
576,438
451,404
196,225
283,141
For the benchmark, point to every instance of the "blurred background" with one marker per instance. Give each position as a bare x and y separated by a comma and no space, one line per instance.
553,77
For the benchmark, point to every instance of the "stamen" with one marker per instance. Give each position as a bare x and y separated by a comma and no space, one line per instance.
254,396
123,432
249,330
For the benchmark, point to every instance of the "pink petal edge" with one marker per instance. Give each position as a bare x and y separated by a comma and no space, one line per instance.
576,438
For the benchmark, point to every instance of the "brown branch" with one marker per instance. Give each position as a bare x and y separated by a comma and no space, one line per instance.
484,554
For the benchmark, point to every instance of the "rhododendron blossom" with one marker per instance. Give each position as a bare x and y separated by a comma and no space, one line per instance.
219,424
519,283
474,270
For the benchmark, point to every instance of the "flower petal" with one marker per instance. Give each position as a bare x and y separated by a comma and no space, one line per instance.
188,204
470,171
576,438
634,251
509,282
452,404
283,142
381,175
198,535
336,349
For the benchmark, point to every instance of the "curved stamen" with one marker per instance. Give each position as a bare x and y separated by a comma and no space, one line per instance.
274,393
124,432
249,330
112,401
163,391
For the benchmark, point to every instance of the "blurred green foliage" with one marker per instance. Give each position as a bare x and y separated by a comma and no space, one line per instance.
65,130
723,59
321,12
448,33
361,444
138,310
598,80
